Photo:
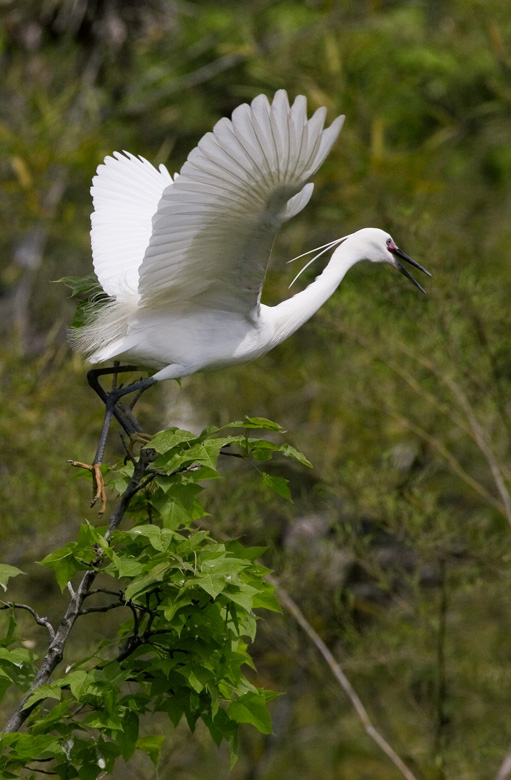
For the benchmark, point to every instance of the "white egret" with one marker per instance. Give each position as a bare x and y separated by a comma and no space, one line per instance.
183,260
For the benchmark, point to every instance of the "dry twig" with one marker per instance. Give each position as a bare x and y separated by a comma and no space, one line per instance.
293,609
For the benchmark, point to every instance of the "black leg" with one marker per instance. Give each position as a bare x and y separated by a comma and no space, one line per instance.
111,400
125,418
130,426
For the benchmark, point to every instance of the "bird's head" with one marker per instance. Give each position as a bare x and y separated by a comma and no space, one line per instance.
379,247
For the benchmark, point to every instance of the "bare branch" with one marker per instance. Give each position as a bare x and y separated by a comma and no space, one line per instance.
104,608
41,621
293,609
505,768
451,459
475,430
118,593
483,445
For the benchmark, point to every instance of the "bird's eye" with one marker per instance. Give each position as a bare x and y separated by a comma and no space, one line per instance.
390,245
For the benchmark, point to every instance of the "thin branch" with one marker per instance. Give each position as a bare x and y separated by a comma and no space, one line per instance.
505,768
483,445
441,682
287,602
118,593
104,608
475,430
451,459
55,651
41,621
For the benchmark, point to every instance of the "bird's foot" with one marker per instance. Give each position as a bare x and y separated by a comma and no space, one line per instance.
98,485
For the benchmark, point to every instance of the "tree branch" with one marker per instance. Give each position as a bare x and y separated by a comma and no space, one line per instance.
41,621
293,609
57,645
505,768
104,608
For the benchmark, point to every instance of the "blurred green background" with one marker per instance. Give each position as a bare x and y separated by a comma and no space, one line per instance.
397,545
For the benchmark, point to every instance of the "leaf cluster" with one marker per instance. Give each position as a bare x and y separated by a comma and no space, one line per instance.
187,602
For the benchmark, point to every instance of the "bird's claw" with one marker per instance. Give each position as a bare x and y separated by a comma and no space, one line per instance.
98,484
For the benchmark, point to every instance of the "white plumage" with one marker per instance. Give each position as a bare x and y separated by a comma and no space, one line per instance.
183,260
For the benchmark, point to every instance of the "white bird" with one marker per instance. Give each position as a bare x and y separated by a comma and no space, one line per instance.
183,260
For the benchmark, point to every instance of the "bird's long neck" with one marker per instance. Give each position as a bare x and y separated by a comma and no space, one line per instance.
291,314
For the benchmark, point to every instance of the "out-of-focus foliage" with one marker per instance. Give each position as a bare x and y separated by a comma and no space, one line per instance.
396,546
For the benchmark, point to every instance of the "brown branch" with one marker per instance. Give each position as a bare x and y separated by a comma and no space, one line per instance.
293,609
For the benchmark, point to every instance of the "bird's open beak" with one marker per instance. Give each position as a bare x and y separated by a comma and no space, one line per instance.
397,252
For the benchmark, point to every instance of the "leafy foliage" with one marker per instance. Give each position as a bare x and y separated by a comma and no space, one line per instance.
190,601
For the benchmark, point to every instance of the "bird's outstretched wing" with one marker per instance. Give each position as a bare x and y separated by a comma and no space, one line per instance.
125,192
207,236
215,225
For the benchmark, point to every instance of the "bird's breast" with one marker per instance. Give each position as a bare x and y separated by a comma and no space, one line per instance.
198,340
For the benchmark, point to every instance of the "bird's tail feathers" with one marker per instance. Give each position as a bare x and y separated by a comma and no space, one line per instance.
106,322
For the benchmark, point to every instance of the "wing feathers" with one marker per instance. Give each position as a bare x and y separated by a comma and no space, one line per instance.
207,235
215,226
125,193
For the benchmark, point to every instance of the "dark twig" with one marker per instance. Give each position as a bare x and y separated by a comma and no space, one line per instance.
118,593
58,642
129,454
104,608
441,685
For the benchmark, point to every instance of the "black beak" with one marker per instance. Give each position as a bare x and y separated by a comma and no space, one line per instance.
399,253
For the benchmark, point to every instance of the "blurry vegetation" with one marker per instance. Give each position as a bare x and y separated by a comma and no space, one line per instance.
397,544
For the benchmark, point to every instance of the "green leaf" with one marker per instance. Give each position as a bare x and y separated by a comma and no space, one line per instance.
278,484
260,449
17,657
249,553
167,440
262,423
81,285
251,708
258,423
212,584
79,682
159,538
63,563
291,452
127,738
152,746
6,572
156,575
267,600
48,691
242,596
126,566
